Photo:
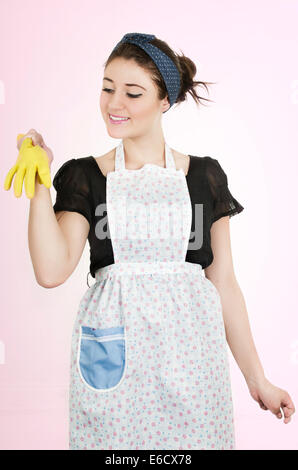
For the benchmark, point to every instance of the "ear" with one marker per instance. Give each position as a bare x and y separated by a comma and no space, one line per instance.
165,104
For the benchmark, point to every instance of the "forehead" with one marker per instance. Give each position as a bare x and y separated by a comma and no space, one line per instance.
123,71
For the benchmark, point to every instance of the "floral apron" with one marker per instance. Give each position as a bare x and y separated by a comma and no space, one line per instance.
149,359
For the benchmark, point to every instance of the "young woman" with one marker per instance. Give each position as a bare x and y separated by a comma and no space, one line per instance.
149,362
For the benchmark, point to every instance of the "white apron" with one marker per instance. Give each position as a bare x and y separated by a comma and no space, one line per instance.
149,359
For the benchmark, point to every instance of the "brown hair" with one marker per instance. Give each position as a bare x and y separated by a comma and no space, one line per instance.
186,67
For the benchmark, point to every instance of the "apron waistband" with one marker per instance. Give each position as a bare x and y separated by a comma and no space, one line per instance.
120,269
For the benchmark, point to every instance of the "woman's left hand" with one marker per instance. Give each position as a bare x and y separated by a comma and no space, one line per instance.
272,398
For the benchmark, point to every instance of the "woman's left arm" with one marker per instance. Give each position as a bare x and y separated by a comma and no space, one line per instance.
237,327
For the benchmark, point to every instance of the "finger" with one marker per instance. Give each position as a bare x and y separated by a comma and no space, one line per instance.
45,176
33,133
285,415
288,407
42,144
30,137
287,411
20,139
36,140
19,136
36,137
18,181
9,176
280,414
288,403
275,411
27,143
30,181
262,405
287,419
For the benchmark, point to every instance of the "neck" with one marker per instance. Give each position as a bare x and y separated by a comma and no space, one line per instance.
139,152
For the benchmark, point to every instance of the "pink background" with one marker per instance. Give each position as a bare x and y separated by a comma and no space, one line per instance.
52,55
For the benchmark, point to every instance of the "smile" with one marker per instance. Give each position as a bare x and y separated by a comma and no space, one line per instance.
117,120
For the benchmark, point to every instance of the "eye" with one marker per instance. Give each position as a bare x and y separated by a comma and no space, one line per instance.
108,90
134,96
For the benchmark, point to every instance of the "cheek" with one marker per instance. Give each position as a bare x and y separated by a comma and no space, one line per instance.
103,101
143,111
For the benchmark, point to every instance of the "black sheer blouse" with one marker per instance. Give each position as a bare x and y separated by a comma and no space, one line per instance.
81,187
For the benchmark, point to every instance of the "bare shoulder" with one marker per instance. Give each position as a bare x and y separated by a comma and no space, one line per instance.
106,162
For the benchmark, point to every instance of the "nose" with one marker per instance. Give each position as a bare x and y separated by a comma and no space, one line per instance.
115,102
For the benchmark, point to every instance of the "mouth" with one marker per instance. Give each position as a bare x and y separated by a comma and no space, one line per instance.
118,119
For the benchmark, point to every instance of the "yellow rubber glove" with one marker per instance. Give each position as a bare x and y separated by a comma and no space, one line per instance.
32,159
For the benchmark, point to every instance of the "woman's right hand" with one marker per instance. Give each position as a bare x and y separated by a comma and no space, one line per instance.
34,160
37,139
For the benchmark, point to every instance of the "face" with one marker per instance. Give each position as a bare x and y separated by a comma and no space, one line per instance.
129,92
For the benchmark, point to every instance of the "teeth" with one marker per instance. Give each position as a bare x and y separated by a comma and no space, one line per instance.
118,119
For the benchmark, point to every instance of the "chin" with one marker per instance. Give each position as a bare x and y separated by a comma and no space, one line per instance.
115,134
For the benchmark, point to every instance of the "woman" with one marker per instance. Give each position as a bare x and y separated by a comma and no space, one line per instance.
149,363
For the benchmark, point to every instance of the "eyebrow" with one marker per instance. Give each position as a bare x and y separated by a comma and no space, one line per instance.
126,84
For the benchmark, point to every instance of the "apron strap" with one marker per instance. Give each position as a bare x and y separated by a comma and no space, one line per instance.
170,162
119,157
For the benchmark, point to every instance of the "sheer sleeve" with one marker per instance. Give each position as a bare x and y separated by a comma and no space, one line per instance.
223,202
73,189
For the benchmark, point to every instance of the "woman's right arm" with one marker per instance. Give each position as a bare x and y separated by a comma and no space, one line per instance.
56,241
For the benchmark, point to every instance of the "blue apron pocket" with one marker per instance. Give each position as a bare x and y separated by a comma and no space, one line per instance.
102,357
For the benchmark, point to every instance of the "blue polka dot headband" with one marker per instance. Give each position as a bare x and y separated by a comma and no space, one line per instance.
165,65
